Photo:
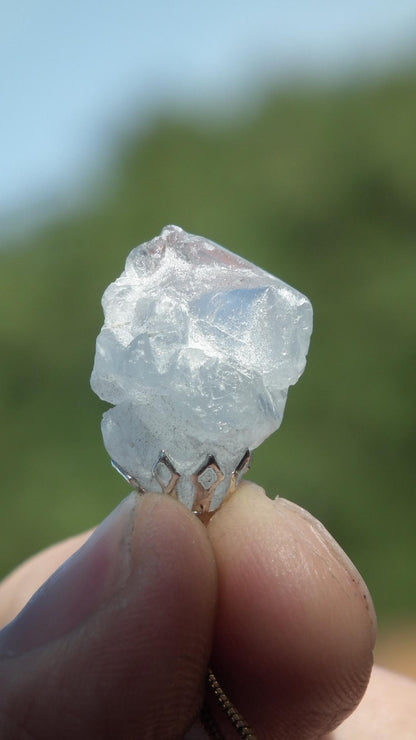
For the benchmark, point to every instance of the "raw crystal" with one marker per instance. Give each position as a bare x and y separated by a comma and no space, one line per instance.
197,352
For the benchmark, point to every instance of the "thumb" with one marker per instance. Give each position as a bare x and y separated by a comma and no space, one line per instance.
116,642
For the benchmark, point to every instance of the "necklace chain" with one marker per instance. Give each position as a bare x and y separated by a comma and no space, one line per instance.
240,725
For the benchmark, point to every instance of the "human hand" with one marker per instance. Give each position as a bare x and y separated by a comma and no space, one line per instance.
117,642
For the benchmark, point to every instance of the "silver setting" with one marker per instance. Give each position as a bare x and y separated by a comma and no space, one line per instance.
129,478
204,481
165,474
242,468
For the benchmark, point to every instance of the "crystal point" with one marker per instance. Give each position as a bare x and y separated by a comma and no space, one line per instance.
197,352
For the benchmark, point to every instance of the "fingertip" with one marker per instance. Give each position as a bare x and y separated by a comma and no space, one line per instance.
295,628
365,606
132,663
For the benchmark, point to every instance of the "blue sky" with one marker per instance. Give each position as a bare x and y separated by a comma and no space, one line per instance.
71,72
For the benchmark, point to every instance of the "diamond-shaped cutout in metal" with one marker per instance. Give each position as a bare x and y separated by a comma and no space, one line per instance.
208,477
205,480
166,474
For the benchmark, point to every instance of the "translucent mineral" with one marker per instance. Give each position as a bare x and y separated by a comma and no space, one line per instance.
197,353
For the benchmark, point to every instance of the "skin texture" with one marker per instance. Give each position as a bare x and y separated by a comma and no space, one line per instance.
119,637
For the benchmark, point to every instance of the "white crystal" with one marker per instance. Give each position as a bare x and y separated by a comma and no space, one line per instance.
197,352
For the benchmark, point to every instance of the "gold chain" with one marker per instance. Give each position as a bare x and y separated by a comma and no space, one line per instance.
240,725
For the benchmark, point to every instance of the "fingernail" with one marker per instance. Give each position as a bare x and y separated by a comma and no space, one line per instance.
79,587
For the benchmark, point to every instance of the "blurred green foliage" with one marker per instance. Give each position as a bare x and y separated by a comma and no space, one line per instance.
320,189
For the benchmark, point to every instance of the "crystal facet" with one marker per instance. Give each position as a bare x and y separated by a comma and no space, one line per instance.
197,352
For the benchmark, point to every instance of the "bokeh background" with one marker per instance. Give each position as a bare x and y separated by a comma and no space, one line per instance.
284,131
